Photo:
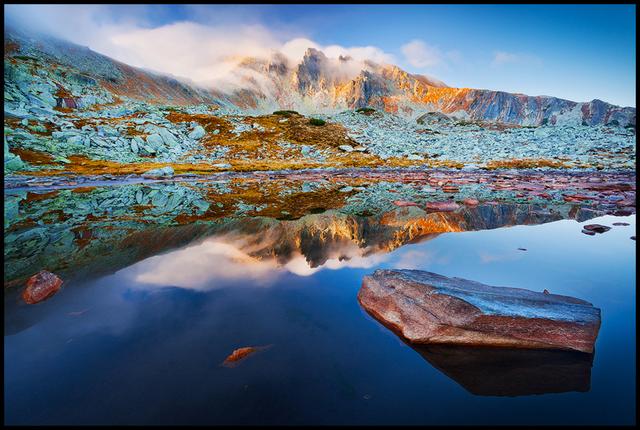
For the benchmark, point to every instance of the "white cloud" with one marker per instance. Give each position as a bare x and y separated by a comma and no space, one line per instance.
501,58
205,54
419,54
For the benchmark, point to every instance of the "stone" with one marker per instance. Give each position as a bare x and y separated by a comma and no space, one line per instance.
589,232
427,308
154,140
442,206
164,172
346,148
197,133
241,353
617,224
41,286
471,202
597,228
403,203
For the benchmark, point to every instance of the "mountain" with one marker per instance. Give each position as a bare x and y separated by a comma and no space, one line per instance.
50,73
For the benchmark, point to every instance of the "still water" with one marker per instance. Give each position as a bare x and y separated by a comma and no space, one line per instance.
143,342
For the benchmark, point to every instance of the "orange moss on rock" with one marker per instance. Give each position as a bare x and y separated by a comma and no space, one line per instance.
32,156
524,163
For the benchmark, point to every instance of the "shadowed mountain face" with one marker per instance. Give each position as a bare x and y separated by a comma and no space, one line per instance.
511,372
316,84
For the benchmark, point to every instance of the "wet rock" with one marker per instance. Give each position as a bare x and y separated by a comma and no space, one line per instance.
588,232
620,224
442,206
403,203
427,308
164,172
241,353
471,202
40,287
597,228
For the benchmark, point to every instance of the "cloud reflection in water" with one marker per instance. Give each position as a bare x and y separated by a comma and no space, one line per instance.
224,259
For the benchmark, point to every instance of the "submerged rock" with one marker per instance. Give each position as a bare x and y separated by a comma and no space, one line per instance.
40,287
427,308
241,353
597,228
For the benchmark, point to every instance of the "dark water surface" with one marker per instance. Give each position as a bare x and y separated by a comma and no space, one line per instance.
143,342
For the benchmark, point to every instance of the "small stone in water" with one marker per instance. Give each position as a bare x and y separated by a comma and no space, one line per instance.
598,228
40,287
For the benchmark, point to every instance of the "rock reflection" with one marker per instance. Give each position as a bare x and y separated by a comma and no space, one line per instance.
511,372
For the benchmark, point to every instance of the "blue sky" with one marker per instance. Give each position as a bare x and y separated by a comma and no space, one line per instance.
579,52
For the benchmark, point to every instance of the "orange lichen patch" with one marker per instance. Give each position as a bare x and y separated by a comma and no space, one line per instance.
63,109
83,165
62,92
24,224
32,156
524,163
54,216
98,107
80,190
33,197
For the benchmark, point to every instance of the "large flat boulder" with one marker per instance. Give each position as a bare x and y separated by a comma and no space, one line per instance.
427,308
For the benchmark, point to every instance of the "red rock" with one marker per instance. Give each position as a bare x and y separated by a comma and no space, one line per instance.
442,206
471,202
403,203
242,353
40,287
589,232
598,228
427,308
576,197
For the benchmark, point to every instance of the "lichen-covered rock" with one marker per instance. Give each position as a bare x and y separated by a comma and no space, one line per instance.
40,287
427,308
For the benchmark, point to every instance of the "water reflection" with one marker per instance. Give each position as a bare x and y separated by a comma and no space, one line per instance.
511,372
75,243
223,259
